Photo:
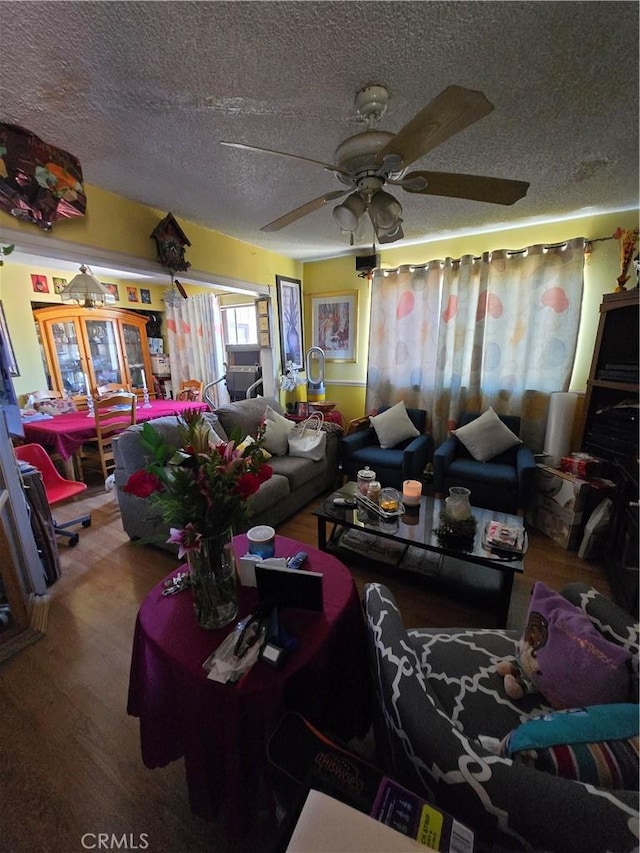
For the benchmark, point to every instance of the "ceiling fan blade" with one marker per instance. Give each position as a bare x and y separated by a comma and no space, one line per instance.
449,112
326,166
303,210
474,187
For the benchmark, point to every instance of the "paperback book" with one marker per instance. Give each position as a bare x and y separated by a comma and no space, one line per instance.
504,537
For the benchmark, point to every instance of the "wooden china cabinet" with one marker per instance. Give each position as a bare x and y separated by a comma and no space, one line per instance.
98,345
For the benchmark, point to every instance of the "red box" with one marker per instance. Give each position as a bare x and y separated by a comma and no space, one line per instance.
582,465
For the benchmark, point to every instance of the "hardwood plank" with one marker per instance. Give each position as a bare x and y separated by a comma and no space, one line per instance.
70,756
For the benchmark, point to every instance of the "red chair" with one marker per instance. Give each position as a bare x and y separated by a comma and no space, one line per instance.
57,488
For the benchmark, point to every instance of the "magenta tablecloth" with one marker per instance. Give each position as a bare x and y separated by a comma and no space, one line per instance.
222,731
65,434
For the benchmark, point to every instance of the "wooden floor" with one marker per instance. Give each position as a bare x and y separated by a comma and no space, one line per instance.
70,760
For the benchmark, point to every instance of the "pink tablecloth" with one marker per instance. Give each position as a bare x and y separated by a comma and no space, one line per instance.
65,434
222,731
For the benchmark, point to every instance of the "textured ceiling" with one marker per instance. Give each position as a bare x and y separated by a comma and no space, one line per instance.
143,93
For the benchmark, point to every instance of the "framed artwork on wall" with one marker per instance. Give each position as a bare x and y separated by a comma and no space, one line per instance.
113,290
334,319
264,323
13,366
290,310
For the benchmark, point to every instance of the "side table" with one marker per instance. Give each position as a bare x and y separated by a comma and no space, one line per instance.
222,731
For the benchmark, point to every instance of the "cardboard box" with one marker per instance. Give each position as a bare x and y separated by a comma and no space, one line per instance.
562,503
315,762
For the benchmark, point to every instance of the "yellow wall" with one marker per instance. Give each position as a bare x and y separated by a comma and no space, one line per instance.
116,224
338,274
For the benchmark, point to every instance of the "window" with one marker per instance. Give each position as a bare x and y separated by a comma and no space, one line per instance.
239,324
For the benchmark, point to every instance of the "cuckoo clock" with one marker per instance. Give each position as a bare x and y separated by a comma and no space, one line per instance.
170,242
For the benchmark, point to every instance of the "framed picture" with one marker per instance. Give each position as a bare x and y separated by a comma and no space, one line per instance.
113,290
145,296
132,294
59,284
264,324
4,330
39,283
334,318
290,310
302,410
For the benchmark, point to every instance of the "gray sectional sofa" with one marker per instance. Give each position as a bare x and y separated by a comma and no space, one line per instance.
294,483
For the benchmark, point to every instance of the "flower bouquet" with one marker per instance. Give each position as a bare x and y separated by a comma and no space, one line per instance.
202,490
290,380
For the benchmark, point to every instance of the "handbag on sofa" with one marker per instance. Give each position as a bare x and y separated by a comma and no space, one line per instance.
308,439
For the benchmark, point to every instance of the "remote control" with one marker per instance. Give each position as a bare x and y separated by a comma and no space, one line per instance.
344,502
297,561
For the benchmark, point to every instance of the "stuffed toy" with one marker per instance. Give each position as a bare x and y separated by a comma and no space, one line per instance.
520,675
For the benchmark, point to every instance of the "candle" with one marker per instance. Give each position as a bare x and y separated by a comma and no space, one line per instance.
144,379
411,491
86,385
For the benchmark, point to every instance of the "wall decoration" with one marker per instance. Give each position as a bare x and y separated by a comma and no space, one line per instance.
4,330
334,318
170,242
290,310
59,284
264,321
132,294
145,296
39,283
39,183
113,290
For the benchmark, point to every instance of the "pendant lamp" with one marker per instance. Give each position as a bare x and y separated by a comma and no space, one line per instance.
85,289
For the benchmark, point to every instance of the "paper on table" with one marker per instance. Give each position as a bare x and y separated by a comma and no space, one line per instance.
326,825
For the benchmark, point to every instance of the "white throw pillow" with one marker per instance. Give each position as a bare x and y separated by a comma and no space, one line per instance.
486,436
393,426
276,436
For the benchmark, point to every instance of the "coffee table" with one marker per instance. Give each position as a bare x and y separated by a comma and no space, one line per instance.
398,542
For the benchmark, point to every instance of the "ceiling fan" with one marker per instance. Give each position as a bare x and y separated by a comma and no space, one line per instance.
370,159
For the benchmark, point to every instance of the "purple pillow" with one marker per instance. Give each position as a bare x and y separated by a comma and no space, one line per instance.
571,663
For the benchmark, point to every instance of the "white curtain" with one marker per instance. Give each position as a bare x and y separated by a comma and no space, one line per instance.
469,333
194,331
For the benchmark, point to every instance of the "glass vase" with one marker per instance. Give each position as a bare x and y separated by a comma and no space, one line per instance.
458,506
213,581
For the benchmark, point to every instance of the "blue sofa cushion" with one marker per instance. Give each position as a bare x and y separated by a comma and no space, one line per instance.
468,470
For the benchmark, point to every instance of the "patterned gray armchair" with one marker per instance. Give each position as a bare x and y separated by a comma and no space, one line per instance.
437,691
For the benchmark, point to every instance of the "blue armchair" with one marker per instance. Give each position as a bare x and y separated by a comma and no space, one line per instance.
405,461
504,483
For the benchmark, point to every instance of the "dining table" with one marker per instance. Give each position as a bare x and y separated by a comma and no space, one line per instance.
65,434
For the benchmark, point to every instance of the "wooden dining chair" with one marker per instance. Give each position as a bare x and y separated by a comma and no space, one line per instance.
113,414
191,389
112,388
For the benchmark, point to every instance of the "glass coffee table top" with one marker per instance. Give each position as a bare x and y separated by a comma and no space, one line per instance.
410,542
417,527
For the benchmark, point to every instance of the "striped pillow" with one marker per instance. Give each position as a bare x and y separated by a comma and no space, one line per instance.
597,745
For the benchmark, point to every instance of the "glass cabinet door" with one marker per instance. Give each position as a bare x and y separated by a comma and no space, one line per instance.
64,337
103,351
132,336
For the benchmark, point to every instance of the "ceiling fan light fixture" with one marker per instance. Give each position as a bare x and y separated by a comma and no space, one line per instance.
85,289
385,210
349,213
